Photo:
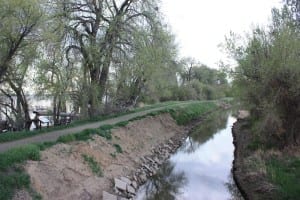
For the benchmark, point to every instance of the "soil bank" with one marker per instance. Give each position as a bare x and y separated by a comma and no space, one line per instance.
63,173
250,178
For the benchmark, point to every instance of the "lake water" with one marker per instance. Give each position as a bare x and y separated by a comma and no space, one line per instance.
201,168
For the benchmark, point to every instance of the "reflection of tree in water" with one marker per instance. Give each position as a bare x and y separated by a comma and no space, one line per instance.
233,190
166,184
207,128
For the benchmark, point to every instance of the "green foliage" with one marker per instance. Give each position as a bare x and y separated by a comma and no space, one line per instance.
118,148
268,77
286,176
107,127
66,138
12,181
122,124
189,112
105,133
95,167
19,155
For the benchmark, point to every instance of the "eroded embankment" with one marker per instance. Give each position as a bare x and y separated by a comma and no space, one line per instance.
249,169
65,172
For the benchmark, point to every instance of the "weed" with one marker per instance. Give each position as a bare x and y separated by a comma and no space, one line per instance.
122,124
114,155
286,175
105,133
106,127
66,138
118,148
10,182
96,169
19,155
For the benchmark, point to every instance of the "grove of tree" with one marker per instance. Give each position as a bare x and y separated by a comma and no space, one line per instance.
101,55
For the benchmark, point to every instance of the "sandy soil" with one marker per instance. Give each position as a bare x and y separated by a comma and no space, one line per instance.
63,174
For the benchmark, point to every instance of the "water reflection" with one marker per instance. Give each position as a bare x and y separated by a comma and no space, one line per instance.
235,193
165,184
204,161
205,131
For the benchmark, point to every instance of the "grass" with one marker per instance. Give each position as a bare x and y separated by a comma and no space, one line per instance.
285,174
12,176
183,115
12,181
19,155
118,148
95,167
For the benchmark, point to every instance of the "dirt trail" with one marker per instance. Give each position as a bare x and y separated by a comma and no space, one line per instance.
53,135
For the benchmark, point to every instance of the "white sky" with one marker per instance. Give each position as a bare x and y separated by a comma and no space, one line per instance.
201,25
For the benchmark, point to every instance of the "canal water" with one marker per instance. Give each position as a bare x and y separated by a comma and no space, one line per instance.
201,167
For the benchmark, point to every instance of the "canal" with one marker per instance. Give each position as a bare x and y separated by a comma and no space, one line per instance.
201,167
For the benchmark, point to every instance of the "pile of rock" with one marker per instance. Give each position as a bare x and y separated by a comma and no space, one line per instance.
125,188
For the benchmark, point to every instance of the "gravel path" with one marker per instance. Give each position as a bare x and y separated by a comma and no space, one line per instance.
53,135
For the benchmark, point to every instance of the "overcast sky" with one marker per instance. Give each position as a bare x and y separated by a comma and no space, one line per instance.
201,25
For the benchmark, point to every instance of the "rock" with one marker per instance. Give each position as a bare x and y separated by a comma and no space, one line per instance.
120,185
126,180
134,184
143,178
107,196
130,190
242,114
148,168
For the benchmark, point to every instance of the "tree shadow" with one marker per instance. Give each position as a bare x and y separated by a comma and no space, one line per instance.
166,184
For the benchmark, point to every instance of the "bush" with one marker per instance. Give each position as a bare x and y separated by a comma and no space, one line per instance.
268,76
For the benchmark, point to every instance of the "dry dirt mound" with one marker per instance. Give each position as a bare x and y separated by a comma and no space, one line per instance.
64,174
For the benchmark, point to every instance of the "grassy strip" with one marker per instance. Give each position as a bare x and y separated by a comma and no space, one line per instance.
11,136
187,113
285,174
96,169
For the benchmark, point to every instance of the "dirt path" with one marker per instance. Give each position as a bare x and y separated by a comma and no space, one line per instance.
53,135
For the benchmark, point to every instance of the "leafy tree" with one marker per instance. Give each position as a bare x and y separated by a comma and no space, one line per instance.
268,78
97,31
18,37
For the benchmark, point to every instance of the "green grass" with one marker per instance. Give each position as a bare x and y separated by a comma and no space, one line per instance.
12,176
12,181
105,133
118,148
95,167
19,155
185,114
285,174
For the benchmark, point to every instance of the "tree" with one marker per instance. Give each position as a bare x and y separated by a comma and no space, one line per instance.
268,78
19,20
19,23
97,31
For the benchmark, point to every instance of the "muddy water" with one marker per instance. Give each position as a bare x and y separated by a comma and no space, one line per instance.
201,168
